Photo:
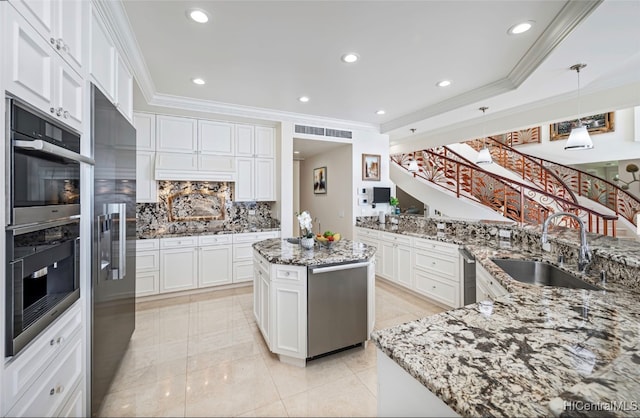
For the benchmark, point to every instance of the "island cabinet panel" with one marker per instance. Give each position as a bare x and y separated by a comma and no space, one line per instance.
487,288
437,288
289,331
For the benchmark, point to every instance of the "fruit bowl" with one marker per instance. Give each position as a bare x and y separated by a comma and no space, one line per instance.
328,241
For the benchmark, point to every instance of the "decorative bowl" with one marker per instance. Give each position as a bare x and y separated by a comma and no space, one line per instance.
326,242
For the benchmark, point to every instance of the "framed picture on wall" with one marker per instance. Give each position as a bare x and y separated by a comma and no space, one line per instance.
371,167
320,180
595,124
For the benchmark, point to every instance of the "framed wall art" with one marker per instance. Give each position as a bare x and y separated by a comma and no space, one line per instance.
320,180
595,124
370,167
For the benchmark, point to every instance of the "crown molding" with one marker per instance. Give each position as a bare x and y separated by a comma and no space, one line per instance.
220,108
119,27
569,17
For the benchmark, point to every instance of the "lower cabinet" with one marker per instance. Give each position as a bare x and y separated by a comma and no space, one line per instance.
44,379
147,267
214,260
178,264
288,310
243,253
396,258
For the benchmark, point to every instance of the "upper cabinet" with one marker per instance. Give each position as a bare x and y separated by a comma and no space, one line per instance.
60,23
38,75
255,141
108,69
145,124
216,137
176,134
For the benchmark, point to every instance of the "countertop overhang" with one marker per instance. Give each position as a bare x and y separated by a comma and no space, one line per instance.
280,251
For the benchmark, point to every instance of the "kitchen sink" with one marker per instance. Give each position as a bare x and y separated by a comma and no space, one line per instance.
541,274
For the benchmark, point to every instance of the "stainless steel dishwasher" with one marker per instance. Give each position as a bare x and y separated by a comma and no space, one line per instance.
469,274
336,307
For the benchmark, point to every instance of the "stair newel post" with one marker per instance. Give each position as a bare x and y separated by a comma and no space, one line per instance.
579,184
504,205
613,228
521,205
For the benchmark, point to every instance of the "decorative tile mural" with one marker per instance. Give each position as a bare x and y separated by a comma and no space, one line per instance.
200,206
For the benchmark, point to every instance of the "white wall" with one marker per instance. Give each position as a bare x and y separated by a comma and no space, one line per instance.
333,210
634,188
296,195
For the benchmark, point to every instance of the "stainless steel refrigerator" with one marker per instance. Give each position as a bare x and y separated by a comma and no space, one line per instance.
113,243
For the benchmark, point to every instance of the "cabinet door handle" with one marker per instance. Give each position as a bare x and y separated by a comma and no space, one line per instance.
59,111
52,110
433,286
52,342
52,391
66,114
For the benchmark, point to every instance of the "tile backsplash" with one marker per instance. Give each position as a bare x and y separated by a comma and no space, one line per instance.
201,205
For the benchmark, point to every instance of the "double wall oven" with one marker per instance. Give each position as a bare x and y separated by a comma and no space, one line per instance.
42,223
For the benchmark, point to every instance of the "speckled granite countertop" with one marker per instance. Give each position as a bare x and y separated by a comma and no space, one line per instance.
280,251
153,234
533,351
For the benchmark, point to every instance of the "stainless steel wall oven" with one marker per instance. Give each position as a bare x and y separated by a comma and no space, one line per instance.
42,167
42,278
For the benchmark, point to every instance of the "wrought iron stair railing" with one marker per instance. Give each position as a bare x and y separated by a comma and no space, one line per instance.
578,182
527,167
514,200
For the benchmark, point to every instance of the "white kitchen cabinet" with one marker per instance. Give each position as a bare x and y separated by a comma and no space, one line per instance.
215,260
288,311
437,271
178,264
487,288
147,267
255,179
255,141
38,75
76,405
103,65
146,185
124,88
145,124
396,258
176,134
265,294
60,23
371,238
216,137
243,253
371,296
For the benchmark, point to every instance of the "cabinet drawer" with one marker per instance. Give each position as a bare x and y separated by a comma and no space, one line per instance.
395,238
147,244
215,239
289,273
368,232
50,391
440,290
255,236
242,252
178,242
29,364
485,280
147,261
436,246
147,283
435,262
261,263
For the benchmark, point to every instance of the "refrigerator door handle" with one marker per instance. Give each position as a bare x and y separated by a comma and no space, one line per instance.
104,246
118,216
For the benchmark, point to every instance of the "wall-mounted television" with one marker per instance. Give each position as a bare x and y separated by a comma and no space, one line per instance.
381,194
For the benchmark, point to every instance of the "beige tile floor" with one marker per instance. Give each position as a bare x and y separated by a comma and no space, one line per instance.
203,355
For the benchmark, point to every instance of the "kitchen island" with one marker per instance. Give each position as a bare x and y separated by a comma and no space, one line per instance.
533,351
311,302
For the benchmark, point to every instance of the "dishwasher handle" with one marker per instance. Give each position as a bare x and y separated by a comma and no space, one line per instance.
318,270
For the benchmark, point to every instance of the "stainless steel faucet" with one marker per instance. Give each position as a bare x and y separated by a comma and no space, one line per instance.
584,258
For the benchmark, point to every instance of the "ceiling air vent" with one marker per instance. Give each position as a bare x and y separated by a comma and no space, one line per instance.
314,130
338,134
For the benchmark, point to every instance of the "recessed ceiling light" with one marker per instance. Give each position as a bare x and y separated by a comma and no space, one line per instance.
350,58
198,15
296,152
380,112
520,28
198,81
443,83
303,99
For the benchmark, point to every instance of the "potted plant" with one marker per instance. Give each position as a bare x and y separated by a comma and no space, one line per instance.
306,227
394,202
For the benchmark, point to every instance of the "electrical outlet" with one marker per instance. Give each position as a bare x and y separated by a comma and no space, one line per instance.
504,233
363,201
440,226
252,211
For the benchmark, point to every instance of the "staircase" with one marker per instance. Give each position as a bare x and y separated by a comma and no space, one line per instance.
592,191
524,202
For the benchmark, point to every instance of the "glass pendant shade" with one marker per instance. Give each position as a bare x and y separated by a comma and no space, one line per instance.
579,139
413,166
484,156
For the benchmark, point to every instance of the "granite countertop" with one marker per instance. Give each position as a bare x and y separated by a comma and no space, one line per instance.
533,350
157,233
280,251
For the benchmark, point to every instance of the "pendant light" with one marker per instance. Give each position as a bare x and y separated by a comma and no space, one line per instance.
413,164
579,137
484,156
